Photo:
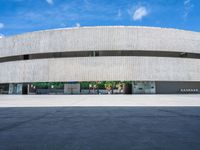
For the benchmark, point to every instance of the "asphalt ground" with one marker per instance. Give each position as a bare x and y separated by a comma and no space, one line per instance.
100,128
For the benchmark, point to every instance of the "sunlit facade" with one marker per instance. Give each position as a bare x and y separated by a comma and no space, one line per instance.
152,60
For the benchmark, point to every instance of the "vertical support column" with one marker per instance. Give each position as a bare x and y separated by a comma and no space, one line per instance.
28,89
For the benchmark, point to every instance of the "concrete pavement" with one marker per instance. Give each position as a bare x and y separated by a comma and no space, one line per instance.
98,100
51,122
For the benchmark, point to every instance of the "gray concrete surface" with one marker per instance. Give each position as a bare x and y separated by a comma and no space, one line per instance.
100,128
101,38
98,100
120,38
118,68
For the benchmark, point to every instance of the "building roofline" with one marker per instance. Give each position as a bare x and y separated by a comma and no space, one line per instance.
93,27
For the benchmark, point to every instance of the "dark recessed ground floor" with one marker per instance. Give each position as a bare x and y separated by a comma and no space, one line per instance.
102,87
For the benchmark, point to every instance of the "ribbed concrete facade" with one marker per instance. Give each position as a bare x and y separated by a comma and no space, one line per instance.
101,69
101,38
105,68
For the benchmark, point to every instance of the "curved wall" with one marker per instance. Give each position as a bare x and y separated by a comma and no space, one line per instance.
101,38
131,68
101,69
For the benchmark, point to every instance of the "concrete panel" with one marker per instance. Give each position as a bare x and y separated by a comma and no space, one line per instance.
24,71
101,69
101,38
74,88
11,72
37,70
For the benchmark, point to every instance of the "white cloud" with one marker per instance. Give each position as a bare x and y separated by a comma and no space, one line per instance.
86,2
49,2
186,2
188,6
78,25
139,13
1,35
63,25
1,25
119,13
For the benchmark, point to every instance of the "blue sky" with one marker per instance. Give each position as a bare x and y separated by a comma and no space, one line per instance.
20,16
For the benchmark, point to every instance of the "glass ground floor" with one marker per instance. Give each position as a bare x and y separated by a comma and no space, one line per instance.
102,87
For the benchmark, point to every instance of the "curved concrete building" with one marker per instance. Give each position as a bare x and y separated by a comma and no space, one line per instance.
166,60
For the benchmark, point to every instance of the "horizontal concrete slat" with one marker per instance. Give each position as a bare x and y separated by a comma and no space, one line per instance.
100,69
101,38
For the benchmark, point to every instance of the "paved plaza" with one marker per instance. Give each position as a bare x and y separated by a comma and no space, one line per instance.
98,100
99,128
